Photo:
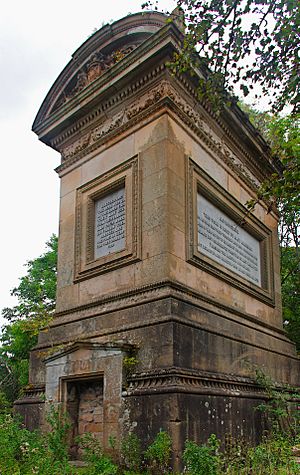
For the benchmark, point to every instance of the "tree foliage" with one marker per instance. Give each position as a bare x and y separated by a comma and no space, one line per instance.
245,43
36,290
290,287
282,190
36,303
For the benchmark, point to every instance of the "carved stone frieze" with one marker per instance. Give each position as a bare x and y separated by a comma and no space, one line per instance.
200,382
214,143
100,116
223,123
95,66
116,121
76,147
32,394
143,105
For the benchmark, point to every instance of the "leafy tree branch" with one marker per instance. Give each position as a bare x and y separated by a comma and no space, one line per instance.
247,43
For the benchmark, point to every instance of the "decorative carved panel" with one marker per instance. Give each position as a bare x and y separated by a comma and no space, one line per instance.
108,221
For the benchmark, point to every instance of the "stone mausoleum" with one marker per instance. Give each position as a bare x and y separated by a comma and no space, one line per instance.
168,288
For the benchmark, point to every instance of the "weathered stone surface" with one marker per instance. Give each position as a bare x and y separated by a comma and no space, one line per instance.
157,334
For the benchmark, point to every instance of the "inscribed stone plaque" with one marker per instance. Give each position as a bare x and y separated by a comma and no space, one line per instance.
110,223
224,241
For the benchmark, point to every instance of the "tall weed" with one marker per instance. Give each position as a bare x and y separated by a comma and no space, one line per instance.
202,459
159,454
131,454
27,453
98,463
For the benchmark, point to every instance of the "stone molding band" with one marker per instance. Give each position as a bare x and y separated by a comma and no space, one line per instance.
174,380
32,395
178,380
161,95
146,294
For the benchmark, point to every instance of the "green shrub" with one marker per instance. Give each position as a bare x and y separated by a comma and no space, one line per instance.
98,462
26,453
5,405
281,411
131,453
10,451
159,453
202,459
57,438
272,457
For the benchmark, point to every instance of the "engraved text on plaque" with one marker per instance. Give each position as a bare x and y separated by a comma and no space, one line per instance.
224,241
110,223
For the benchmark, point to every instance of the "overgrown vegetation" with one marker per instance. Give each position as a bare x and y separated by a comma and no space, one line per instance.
159,453
131,454
280,407
290,290
24,453
202,459
97,461
27,453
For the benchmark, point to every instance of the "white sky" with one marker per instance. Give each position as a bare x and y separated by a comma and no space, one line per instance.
37,40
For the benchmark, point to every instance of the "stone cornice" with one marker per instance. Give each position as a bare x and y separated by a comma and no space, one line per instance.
32,395
162,290
178,380
107,111
195,116
181,380
231,121
191,381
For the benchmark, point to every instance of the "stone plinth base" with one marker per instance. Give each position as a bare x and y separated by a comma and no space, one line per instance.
175,365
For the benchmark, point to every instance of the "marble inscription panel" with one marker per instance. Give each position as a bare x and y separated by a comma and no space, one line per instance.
224,241
110,223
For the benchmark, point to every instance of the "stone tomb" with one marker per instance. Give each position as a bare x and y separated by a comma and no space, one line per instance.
168,288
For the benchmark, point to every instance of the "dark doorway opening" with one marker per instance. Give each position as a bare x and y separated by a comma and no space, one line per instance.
84,404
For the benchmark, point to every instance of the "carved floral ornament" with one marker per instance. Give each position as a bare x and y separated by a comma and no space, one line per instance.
143,103
127,116
95,66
